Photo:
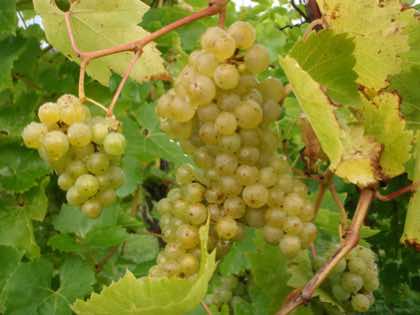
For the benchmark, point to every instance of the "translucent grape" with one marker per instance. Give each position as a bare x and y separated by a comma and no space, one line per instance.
290,245
107,197
272,89
33,134
351,282
184,174
99,132
226,228
272,234
114,143
76,168
92,208
275,217
208,133
243,33
49,113
187,236
226,124
255,195
234,207
257,59
226,76
197,214
360,303
225,164
228,101
65,181
87,185
254,217
74,197
208,112
188,265
230,143
79,134
206,63
249,114
247,175
201,90
55,144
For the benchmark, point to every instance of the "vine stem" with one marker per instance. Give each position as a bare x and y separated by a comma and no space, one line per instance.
206,308
351,239
136,46
410,188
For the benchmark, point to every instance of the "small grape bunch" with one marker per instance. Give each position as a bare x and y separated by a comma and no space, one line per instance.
354,279
84,151
222,290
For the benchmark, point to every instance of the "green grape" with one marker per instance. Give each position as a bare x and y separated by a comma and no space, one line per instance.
257,59
247,82
197,214
293,203
97,163
275,217
255,196
179,130
184,174
227,228
249,114
308,234
163,106
247,175
33,134
280,164
228,101
49,113
205,63
230,143
293,225
351,282
59,165
181,109
171,268
214,195
79,134
194,192
220,43
208,112
225,164
254,95
371,281
208,133
163,206
173,251
230,186
179,209
70,109
307,213
65,181
272,234
272,90
55,144
254,217
249,155
201,90
226,124
285,183
300,189
81,153
290,245
74,197
226,76
243,33
174,194
114,143
275,197
357,265
339,293
250,137
87,185
187,236
107,197
267,177
339,268
215,212
271,111
203,158
188,265
360,303
92,208
99,131
76,168
234,207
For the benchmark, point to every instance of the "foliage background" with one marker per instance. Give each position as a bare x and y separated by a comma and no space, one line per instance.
50,254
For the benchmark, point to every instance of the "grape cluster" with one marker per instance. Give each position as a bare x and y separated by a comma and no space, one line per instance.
84,151
221,115
355,278
223,290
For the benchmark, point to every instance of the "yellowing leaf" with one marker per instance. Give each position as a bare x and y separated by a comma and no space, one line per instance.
359,163
378,32
382,120
411,234
153,296
317,107
98,25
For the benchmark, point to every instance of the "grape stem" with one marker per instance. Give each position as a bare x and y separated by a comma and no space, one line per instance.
351,239
343,212
215,7
407,189
206,308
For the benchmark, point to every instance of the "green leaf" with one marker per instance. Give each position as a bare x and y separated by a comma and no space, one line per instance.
76,280
382,120
64,243
8,17
151,296
300,271
317,107
330,64
28,287
141,248
99,25
411,233
379,45
9,262
108,236
20,168
16,215
10,48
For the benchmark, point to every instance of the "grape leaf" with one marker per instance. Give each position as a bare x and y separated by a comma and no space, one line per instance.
20,168
411,233
360,161
141,248
99,25
76,280
65,243
8,17
378,45
330,64
10,48
144,296
9,262
102,237
317,107
16,215
382,120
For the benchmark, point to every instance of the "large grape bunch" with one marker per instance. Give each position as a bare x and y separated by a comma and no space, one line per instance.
84,151
222,115
354,279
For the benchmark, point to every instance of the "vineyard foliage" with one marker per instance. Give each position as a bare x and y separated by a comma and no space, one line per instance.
350,122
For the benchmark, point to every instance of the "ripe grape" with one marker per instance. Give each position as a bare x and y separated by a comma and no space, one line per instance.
255,196
360,303
114,143
49,113
227,228
65,181
87,185
226,124
243,33
257,59
56,144
79,134
226,76
249,114
33,134
290,245
92,208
